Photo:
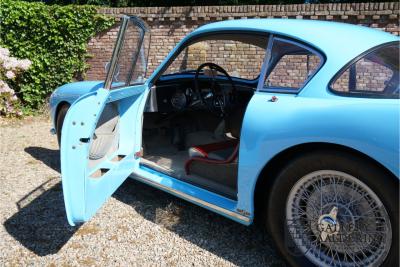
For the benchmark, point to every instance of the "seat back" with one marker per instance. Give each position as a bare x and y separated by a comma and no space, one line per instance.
234,122
220,153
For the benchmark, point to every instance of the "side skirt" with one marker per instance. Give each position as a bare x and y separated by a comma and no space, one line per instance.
201,197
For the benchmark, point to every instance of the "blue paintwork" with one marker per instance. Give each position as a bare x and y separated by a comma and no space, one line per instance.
69,93
83,194
161,180
370,126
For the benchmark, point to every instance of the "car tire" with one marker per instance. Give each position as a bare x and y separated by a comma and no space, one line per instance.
281,205
60,121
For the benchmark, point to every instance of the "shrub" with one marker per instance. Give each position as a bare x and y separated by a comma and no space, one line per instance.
54,38
10,68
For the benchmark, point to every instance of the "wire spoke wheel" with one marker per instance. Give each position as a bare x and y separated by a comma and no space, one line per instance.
336,220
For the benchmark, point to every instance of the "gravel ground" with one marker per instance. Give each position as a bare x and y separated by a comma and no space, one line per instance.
138,226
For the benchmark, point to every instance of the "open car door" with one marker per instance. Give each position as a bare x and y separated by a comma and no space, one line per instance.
101,131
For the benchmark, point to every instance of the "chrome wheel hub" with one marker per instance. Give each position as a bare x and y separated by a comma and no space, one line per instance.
337,220
328,224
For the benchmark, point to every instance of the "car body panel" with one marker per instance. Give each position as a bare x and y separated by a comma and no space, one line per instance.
83,193
370,126
204,198
69,93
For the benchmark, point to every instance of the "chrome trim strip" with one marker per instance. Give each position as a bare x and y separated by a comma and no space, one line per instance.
191,198
116,51
265,65
279,90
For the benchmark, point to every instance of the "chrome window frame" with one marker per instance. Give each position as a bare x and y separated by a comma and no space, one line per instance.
117,51
266,69
364,94
267,59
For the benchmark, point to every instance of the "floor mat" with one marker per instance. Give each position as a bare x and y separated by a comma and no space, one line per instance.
163,157
173,164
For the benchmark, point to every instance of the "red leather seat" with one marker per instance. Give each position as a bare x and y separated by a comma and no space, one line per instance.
217,160
216,153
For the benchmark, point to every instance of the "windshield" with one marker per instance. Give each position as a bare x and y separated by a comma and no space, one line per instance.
130,53
239,54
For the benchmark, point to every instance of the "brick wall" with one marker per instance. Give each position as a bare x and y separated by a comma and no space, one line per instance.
237,58
292,71
369,75
170,24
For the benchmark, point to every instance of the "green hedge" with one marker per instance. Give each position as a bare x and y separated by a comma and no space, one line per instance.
54,38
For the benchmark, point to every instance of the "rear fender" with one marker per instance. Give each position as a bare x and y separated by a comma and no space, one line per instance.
370,126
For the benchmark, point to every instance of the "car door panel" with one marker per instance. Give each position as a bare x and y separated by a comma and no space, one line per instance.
89,182
101,130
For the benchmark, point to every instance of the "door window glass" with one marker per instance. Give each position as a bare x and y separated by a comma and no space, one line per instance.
132,59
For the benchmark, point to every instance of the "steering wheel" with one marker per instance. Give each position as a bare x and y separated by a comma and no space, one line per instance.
215,101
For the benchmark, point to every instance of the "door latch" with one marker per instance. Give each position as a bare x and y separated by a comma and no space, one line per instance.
85,140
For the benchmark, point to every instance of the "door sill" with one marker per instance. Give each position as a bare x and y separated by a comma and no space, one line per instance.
199,196
195,180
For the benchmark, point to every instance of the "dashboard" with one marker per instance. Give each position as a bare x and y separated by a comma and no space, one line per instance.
174,93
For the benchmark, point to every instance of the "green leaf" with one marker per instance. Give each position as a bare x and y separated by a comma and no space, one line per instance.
54,38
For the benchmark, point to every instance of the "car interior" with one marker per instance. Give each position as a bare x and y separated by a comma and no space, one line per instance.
194,112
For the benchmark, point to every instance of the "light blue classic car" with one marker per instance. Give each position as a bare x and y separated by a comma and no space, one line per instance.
294,123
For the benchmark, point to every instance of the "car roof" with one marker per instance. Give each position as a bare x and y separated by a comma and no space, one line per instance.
328,37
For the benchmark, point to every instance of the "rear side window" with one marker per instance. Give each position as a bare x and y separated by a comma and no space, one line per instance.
292,71
291,66
374,75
